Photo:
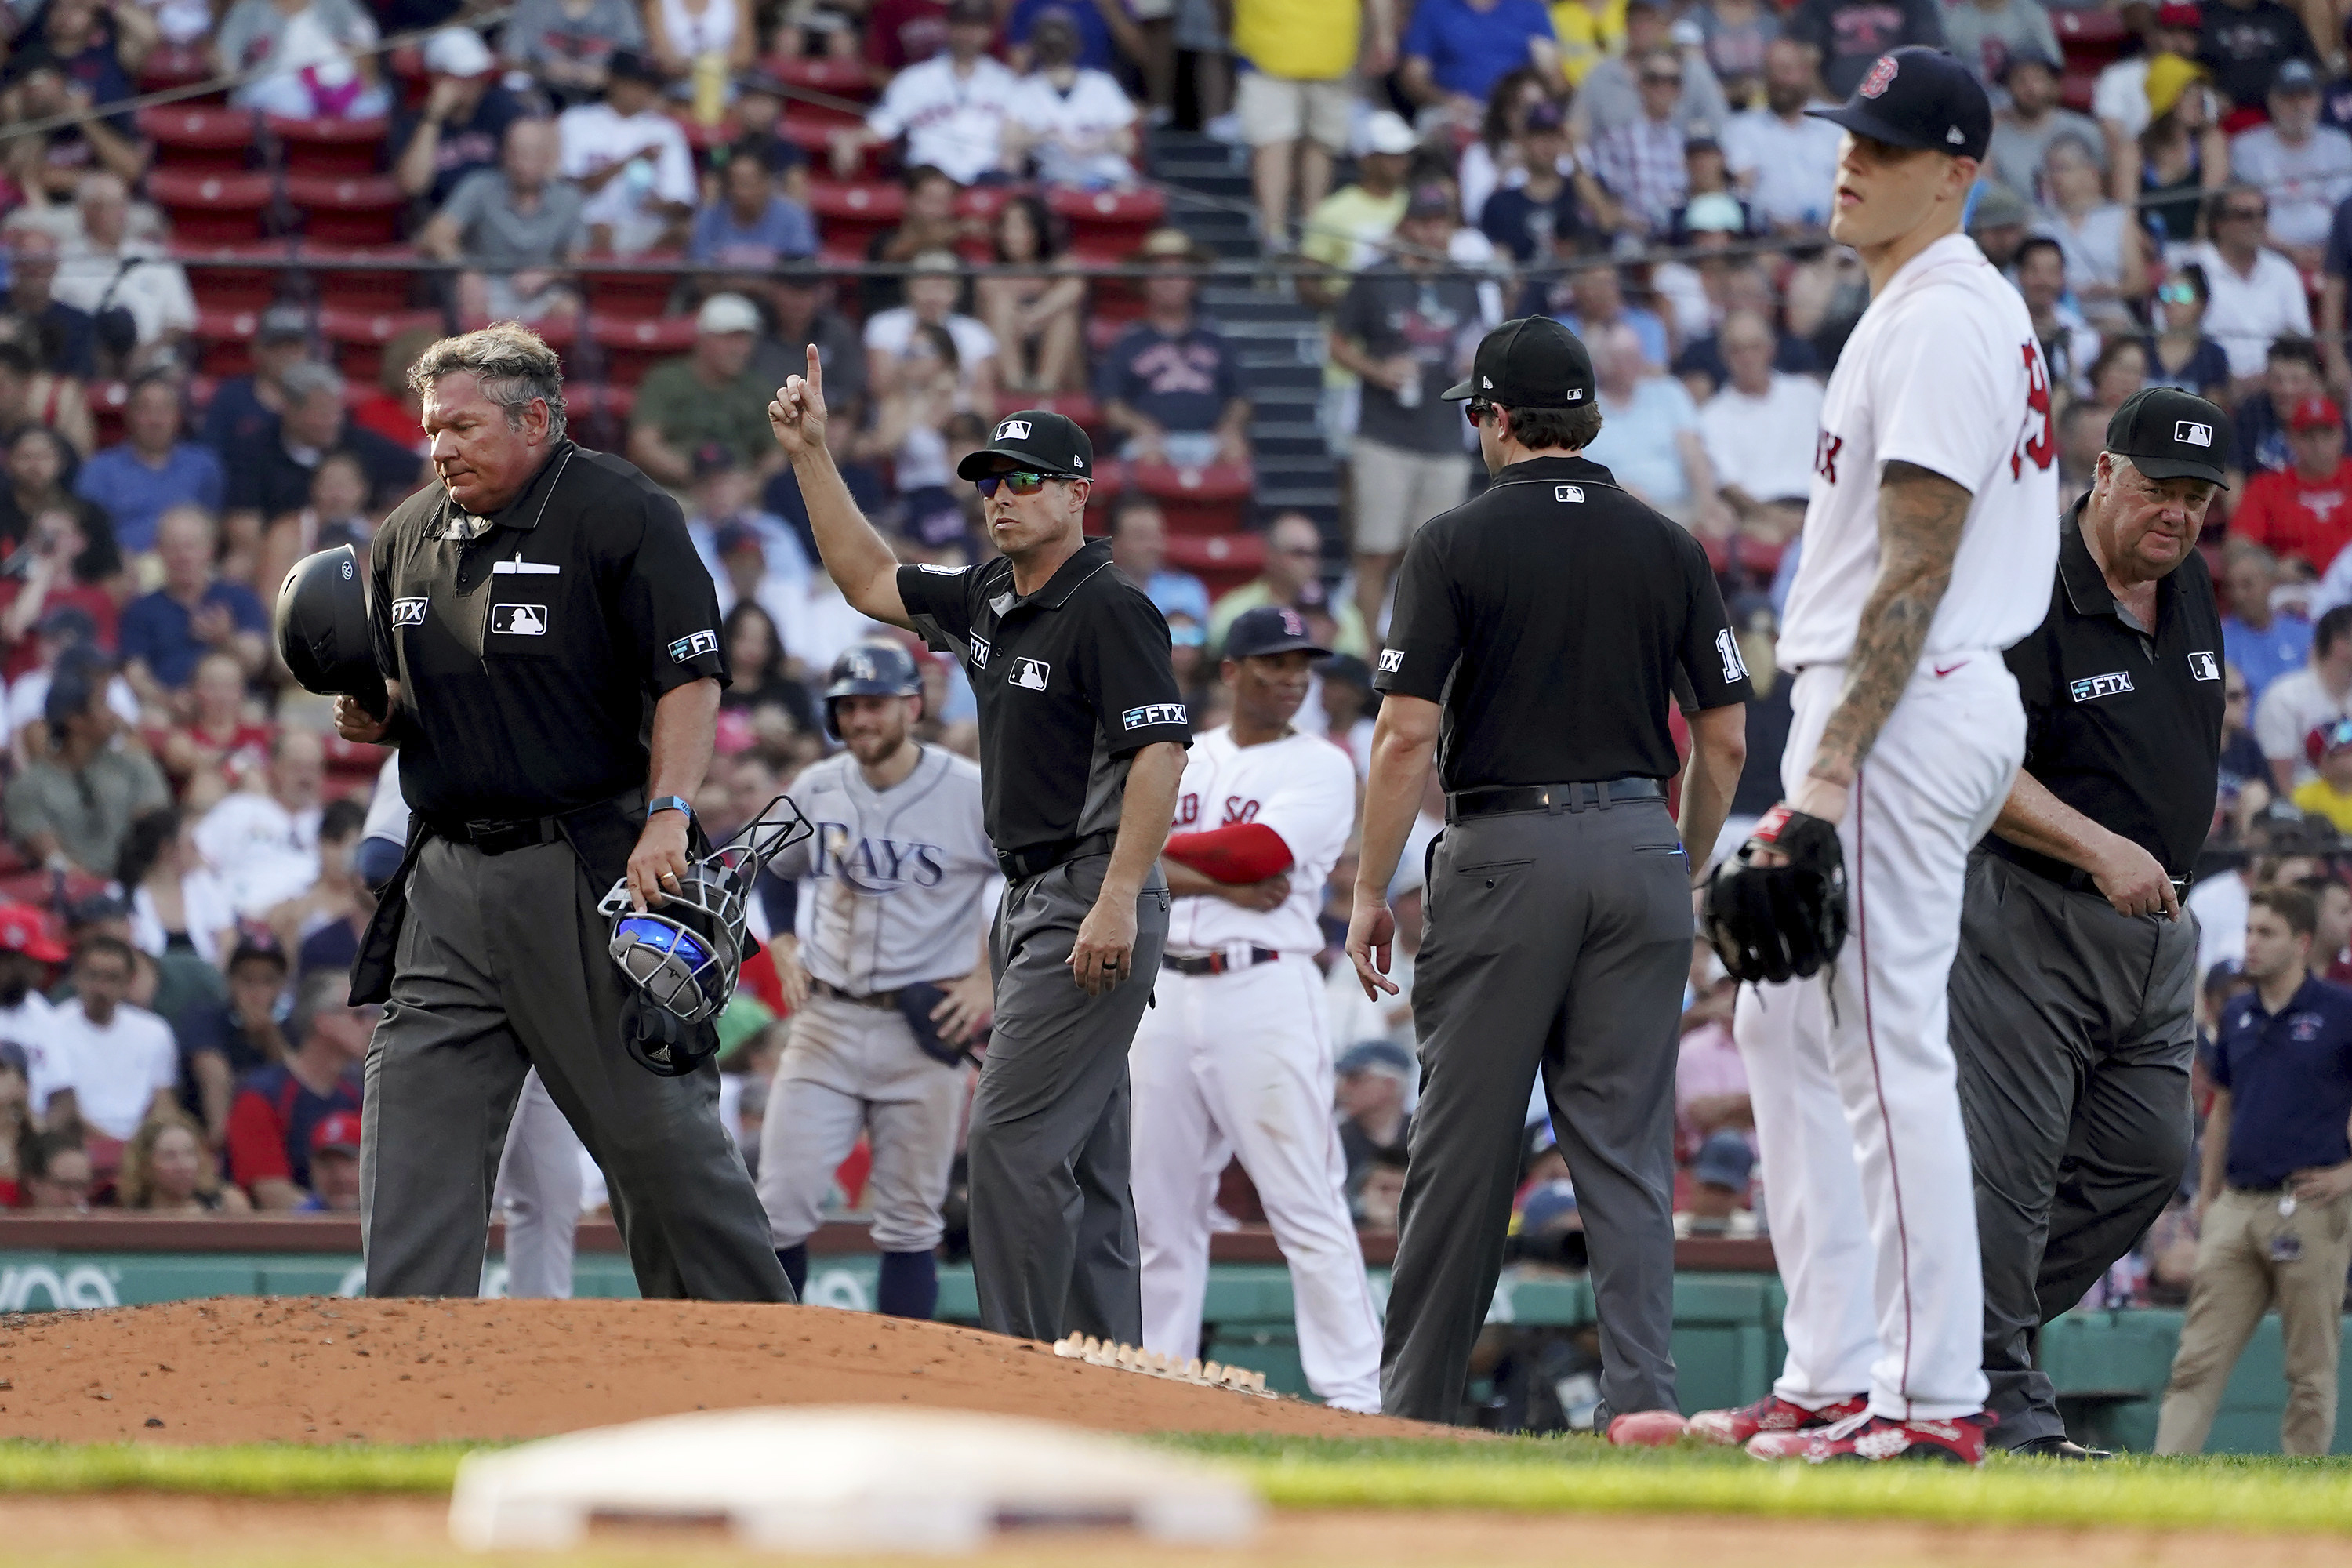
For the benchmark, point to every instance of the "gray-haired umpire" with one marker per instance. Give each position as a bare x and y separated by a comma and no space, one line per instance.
554,643
1540,631
2074,991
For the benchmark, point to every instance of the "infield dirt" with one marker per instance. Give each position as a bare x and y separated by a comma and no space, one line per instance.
326,1369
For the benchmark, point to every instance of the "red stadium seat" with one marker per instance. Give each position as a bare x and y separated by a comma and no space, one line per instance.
700,138
633,347
330,146
1078,408
207,139
361,288
232,277
2076,89
224,341
1111,477
1108,226
356,338
1113,304
355,209
2089,37
814,137
1198,501
833,79
850,214
106,400
211,209
406,64
168,66
629,293
1222,561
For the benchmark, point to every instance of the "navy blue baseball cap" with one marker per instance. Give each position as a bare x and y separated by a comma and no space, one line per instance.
1270,630
1918,97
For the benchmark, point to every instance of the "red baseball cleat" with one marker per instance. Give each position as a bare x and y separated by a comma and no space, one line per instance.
1959,1440
1646,1430
1770,1413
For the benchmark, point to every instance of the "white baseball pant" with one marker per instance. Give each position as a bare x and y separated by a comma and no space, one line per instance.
1850,1073
539,1190
850,1068
1241,1063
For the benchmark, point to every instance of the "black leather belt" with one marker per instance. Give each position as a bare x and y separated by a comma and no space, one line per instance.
497,837
1021,864
1218,963
2074,879
1500,798
879,999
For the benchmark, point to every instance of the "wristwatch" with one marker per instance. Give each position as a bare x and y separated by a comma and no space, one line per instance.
668,802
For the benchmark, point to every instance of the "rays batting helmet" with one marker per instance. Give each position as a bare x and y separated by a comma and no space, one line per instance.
871,670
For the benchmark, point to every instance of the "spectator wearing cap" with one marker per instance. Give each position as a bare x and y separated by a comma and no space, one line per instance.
152,469
1171,384
1612,94
320,54
2304,512
512,226
2244,43
335,1165
1139,547
1294,560
1540,220
1346,230
167,1168
1297,105
1640,162
2022,133
1848,35
193,611
1754,429
120,1061
2120,100
1718,1201
566,44
30,955
1985,35
1997,222
1453,51
751,225
2254,295
2105,248
278,1108
708,393
225,1042
462,126
2303,700
1077,124
630,159
2305,167
1373,1084
71,808
243,407
1406,327
952,109
271,475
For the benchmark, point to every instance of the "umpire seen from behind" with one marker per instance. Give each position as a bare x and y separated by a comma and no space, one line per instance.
555,659
1082,739
2073,992
1539,633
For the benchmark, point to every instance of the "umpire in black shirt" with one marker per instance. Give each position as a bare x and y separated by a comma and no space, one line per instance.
1082,739
556,661
2073,992
1539,633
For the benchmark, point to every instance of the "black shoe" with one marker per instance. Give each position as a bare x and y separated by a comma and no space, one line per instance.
2058,1447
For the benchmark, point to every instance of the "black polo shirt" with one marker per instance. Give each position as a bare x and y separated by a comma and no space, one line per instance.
1071,681
1555,618
2124,727
530,656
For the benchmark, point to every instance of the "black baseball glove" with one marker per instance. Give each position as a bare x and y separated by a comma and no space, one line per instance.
1779,922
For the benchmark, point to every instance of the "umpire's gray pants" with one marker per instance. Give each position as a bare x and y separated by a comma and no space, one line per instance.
1053,1225
490,979
2073,1028
1558,941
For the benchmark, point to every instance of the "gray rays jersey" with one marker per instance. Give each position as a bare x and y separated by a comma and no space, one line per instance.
895,887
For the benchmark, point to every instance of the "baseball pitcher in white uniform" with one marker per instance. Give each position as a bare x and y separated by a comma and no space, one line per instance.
888,975
1235,1056
1929,538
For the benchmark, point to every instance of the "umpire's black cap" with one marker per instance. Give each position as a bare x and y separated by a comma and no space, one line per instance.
1037,440
2171,434
1532,362
1918,97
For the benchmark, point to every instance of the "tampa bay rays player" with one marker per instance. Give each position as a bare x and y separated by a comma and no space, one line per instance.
1235,1056
888,973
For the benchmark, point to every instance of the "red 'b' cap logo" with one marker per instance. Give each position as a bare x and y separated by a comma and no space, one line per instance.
1881,77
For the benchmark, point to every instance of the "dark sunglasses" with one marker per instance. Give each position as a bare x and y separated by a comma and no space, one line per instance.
1476,410
1021,482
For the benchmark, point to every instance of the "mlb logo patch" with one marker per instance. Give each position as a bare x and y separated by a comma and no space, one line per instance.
1013,430
1030,673
530,621
696,643
2204,666
408,612
980,653
1391,661
1567,492
2189,433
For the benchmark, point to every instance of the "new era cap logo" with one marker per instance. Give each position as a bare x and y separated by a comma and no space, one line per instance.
1881,77
1486,382
1013,430
1953,135
2189,433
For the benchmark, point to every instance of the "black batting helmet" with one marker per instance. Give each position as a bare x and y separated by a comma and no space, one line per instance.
321,624
871,670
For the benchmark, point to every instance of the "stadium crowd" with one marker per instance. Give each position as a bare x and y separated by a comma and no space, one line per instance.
210,306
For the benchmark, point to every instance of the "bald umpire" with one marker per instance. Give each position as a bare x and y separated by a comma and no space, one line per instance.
1540,631
2073,992
554,648
1082,739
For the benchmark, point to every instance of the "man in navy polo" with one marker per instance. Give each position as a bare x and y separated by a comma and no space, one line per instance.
2275,1194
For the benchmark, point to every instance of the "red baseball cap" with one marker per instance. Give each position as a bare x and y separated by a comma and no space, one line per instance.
336,1130
26,930
2314,413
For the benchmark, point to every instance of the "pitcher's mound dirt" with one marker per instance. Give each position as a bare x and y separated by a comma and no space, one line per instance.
325,1370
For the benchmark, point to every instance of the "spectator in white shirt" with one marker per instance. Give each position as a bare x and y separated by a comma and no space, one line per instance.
1078,125
122,1059
2301,700
2305,167
105,268
264,848
952,107
1782,160
2257,295
1759,430
631,161
931,290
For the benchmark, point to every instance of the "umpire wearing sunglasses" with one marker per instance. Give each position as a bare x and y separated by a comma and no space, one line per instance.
1083,731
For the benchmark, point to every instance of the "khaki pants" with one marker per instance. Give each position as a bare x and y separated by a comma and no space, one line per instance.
2238,1281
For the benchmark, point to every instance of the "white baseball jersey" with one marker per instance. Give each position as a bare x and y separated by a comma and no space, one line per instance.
953,123
1943,371
895,887
1303,787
